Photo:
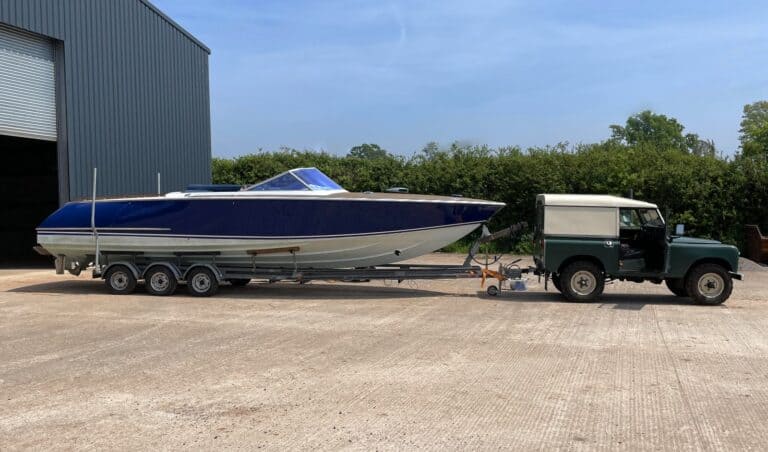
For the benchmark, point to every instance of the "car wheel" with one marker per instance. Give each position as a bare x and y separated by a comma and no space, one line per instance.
709,284
677,286
492,291
160,281
582,281
120,280
201,282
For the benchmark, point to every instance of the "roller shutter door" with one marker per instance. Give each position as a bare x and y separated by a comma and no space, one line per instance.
27,85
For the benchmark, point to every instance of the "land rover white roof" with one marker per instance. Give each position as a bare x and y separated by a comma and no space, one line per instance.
592,201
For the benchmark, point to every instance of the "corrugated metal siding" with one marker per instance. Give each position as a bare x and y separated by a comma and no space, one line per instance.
136,93
27,85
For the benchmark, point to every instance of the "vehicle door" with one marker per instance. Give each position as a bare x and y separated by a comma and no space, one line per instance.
654,236
632,250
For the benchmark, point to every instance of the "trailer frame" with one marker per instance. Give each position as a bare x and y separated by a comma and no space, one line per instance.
180,266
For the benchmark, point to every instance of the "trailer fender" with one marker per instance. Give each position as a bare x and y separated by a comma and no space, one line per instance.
216,272
174,268
130,265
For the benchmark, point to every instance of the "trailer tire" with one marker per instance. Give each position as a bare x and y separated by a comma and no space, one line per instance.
120,280
201,282
160,281
238,282
582,281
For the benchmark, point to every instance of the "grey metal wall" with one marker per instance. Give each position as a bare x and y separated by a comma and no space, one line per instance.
133,94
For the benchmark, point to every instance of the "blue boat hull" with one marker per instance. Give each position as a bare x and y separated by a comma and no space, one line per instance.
270,218
328,232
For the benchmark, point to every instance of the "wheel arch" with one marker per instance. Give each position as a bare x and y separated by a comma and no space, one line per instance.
568,261
131,266
708,260
174,269
211,267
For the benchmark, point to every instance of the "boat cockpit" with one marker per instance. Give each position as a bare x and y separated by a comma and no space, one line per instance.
298,181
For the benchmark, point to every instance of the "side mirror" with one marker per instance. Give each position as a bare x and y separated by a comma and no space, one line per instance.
680,229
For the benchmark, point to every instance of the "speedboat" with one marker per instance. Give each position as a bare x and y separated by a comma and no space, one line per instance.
298,218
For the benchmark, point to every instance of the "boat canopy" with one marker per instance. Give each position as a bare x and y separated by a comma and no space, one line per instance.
298,179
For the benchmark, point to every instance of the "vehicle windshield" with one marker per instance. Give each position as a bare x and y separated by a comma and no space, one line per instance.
651,217
300,179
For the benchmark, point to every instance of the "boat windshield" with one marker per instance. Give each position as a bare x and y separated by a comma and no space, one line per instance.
300,179
315,179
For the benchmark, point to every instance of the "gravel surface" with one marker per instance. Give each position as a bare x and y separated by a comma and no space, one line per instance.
376,366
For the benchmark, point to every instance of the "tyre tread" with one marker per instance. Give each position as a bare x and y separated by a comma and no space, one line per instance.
691,284
567,273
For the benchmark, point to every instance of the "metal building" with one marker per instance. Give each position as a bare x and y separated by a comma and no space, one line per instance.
112,84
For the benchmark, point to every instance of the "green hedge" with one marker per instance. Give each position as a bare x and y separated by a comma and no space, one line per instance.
712,196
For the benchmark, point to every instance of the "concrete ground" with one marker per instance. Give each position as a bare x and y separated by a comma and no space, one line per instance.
433,365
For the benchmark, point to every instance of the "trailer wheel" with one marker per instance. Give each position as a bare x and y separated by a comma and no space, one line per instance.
120,280
160,281
709,284
492,291
201,282
239,281
582,281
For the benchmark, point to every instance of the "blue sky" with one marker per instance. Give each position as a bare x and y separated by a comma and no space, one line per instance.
334,73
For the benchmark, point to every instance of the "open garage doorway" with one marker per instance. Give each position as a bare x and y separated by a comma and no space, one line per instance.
29,192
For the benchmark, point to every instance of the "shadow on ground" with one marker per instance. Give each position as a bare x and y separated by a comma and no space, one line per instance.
627,301
280,291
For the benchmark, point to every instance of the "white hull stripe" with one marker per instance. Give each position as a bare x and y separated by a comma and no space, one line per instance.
82,232
255,196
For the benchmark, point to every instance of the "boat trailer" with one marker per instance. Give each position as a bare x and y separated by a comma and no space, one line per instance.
204,272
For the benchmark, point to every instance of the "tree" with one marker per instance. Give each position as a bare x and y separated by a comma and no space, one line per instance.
704,148
430,150
368,152
754,129
659,131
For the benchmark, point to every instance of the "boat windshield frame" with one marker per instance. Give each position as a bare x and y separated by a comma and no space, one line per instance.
298,180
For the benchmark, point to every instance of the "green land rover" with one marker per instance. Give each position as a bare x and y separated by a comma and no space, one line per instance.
582,241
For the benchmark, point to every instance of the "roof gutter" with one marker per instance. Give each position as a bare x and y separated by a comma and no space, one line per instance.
175,25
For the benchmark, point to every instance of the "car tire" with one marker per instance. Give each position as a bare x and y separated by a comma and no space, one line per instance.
160,281
582,281
709,284
556,282
120,280
201,282
492,291
677,287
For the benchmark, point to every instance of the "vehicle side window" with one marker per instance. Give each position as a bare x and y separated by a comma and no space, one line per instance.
629,219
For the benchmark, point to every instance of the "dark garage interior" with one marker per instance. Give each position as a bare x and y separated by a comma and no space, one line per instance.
74,89
28,193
